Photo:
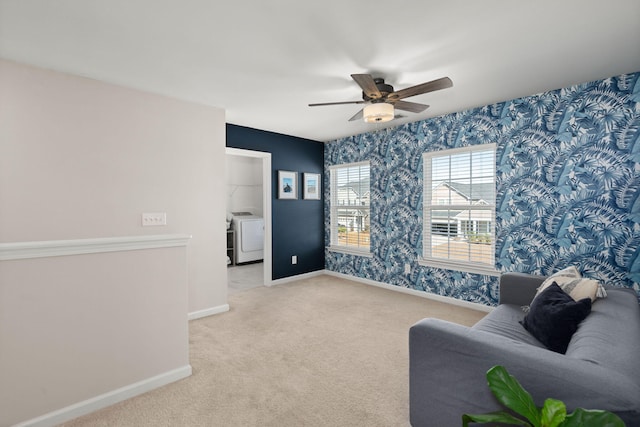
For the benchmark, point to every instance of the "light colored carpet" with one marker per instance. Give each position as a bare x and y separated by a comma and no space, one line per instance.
316,352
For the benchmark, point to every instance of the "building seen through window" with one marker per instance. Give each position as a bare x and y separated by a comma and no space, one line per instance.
350,206
459,205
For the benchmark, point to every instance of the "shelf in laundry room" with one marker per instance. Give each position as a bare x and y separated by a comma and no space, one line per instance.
231,246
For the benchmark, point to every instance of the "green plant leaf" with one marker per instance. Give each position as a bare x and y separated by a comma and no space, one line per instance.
510,393
586,417
553,413
493,417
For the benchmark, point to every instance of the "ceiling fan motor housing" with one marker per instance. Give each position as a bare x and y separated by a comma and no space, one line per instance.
384,89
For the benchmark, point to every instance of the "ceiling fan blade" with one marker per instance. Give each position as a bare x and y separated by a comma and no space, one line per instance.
368,85
335,103
413,107
357,116
431,86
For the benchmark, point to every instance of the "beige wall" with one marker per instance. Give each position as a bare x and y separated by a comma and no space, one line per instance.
83,159
74,328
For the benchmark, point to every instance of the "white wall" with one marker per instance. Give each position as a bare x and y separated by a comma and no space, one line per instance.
84,159
244,184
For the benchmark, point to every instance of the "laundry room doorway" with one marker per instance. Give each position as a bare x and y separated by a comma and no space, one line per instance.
248,205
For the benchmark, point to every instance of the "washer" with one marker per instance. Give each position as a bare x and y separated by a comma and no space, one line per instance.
249,231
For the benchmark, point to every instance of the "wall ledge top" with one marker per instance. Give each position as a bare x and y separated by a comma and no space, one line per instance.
51,248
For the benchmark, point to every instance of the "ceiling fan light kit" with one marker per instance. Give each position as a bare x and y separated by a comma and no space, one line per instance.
379,112
382,99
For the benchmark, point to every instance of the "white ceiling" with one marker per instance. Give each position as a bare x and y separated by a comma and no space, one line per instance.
264,61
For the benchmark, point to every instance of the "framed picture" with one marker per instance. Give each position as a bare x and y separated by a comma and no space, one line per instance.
312,186
287,185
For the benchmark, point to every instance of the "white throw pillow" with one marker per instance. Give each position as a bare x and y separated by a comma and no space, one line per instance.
572,282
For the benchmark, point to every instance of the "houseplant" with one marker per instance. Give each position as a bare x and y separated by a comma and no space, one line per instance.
553,413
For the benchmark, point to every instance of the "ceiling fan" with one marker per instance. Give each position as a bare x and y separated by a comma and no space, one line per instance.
381,99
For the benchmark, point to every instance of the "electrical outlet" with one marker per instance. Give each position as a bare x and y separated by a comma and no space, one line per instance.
294,259
154,219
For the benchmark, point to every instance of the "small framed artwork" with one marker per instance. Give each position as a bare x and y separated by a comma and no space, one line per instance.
311,186
287,185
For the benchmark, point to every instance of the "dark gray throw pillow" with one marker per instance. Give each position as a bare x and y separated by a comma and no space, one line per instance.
554,317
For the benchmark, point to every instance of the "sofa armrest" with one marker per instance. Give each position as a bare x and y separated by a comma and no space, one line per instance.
448,364
519,288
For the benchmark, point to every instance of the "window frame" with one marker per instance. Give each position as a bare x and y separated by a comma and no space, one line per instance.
334,208
429,205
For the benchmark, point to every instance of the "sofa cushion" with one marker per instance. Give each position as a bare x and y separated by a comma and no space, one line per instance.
504,321
554,317
610,336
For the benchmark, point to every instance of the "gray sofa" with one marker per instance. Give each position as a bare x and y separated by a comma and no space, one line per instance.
600,370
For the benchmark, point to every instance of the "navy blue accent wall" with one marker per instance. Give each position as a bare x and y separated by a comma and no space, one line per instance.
297,225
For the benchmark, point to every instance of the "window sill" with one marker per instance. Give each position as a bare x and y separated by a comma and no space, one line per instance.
468,267
351,251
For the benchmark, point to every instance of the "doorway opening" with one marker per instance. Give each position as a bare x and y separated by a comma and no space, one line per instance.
249,203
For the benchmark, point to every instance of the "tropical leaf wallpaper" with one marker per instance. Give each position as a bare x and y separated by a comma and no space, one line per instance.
568,189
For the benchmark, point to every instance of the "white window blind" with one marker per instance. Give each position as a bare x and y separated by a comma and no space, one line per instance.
350,207
459,209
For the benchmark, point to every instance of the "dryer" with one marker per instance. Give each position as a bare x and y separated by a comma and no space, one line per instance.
249,232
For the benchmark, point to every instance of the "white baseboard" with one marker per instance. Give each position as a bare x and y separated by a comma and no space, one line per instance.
422,294
297,277
107,399
208,312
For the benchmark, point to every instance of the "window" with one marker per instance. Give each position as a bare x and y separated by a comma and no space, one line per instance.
459,209
350,208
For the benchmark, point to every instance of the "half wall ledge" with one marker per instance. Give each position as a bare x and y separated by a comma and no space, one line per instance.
50,248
